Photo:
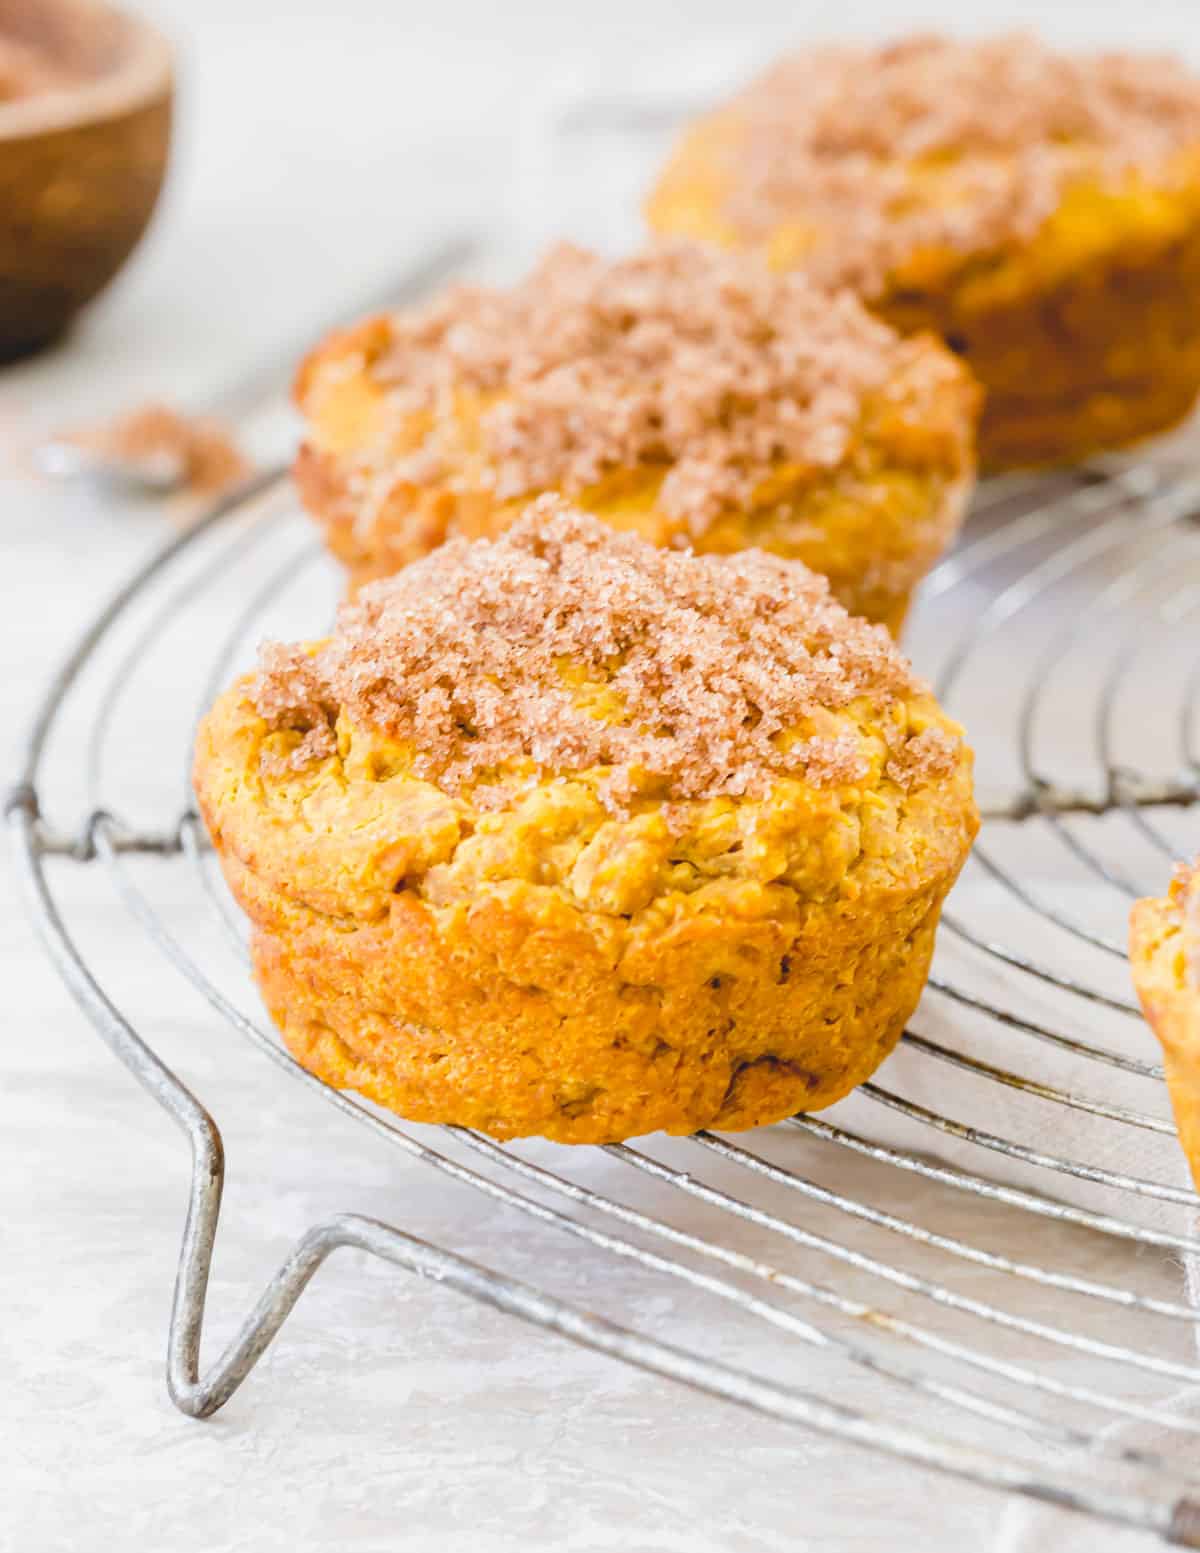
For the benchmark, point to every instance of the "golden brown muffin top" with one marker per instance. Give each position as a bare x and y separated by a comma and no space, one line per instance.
683,356
573,647
941,143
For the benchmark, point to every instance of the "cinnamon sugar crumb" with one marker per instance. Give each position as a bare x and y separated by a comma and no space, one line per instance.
290,694
934,142
200,447
701,362
493,652
928,755
836,762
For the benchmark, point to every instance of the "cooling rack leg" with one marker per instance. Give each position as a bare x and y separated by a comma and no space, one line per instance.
196,1396
191,1394
191,1279
178,1101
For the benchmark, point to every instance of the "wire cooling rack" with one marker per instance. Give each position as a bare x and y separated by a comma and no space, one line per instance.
1026,1100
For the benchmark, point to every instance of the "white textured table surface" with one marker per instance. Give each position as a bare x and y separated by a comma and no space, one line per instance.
317,147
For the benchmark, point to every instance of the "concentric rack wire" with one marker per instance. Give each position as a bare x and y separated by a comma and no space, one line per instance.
1025,1107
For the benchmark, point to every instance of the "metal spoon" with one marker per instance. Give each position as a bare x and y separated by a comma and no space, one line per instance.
156,473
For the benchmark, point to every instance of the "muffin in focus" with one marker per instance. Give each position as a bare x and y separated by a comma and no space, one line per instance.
1039,211
564,834
684,394
1164,958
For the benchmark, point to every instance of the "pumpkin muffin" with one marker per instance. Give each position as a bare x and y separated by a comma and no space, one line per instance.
1164,956
1040,211
564,834
688,395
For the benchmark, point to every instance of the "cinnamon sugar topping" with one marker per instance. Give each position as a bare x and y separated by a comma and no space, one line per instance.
199,448
700,362
573,647
290,693
926,756
935,142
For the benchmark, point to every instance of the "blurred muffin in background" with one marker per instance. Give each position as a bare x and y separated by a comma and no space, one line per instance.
688,395
1038,210
563,834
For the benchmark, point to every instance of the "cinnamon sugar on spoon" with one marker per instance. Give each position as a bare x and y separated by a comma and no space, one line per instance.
697,363
706,666
165,449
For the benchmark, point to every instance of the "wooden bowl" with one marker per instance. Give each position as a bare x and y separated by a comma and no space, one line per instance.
81,162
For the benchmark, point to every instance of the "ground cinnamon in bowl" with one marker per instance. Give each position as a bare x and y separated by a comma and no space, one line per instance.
28,71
